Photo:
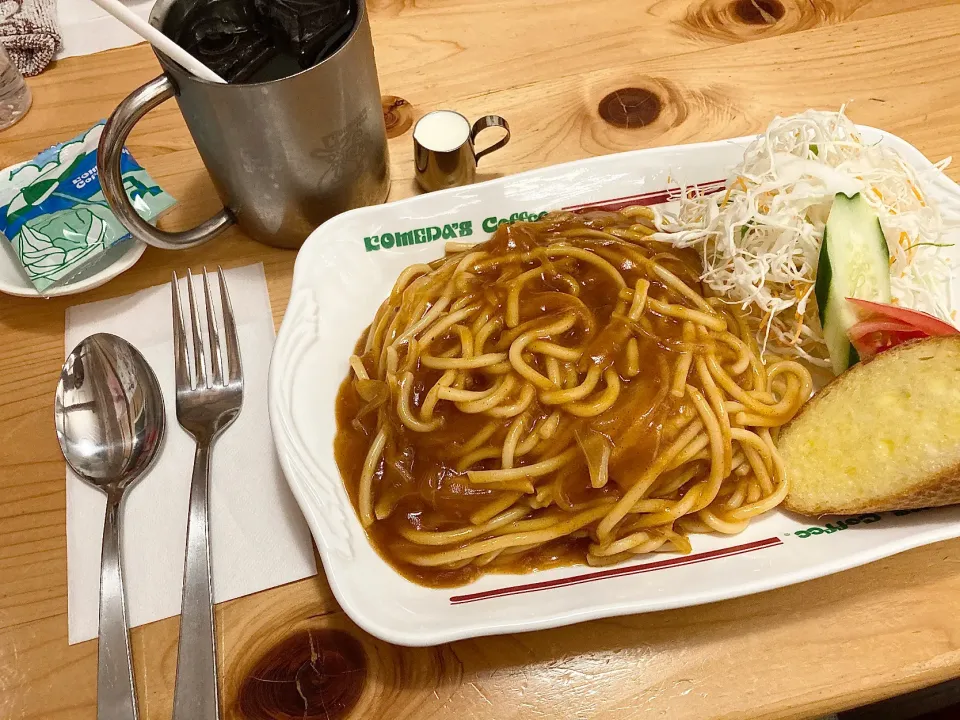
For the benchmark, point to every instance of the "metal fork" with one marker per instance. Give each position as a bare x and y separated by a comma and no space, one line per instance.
206,405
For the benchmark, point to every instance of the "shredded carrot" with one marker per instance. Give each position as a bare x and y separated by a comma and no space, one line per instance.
738,182
904,242
796,334
916,194
799,291
764,206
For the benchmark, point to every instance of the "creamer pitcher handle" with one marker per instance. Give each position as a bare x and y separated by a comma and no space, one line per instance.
115,132
489,121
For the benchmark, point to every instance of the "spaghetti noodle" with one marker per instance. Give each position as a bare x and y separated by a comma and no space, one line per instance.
560,393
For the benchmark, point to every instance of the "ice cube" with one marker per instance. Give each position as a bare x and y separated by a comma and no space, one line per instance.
226,36
260,40
307,29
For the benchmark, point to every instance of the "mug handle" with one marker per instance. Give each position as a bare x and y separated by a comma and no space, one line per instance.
115,132
485,122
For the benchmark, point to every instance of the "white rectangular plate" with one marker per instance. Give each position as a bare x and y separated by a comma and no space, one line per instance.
342,274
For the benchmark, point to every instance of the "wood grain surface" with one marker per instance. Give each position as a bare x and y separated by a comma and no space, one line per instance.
574,79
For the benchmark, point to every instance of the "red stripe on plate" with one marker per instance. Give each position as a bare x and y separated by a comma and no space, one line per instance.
618,571
650,198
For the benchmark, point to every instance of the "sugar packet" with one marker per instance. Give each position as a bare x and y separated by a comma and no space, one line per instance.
53,212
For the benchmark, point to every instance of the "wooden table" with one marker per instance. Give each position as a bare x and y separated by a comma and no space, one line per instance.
575,79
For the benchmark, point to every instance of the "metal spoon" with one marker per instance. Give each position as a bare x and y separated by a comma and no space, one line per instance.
110,421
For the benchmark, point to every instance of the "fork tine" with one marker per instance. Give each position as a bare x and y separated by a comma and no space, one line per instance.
199,362
216,367
181,370
230,332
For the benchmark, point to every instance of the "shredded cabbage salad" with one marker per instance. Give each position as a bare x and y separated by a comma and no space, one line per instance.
760,239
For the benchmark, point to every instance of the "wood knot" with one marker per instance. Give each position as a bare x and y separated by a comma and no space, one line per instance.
313,675
759,12
739,20
397,115
630,107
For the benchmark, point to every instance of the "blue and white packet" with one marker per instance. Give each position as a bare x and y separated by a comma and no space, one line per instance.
53,212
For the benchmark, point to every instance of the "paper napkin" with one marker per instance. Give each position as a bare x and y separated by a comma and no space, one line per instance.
259,538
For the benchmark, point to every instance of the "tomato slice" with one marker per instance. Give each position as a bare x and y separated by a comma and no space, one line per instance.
883,326
921,321
869,344
866,327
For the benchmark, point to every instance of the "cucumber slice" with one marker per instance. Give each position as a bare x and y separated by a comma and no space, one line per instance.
854,262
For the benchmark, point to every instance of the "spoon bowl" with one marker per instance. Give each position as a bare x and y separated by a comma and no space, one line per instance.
108,412
110,422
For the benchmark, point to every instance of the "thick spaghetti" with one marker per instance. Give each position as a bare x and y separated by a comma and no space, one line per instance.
560,393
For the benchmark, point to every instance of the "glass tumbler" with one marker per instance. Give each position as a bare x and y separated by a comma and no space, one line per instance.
15,96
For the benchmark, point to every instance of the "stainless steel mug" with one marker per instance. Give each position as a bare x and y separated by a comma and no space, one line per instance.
444,150
284,155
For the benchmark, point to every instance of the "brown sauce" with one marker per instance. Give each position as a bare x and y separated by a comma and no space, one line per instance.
419,469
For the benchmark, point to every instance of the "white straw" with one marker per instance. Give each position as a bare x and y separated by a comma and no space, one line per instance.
160,41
